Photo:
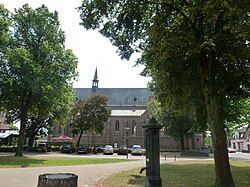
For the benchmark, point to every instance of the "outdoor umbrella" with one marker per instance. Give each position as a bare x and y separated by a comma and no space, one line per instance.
62,138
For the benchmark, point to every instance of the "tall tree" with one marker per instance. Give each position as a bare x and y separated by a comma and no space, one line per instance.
36,64
203,45
176,124
89,115
51,111
179,127
5,23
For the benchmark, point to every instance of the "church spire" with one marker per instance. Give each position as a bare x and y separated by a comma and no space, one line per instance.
95,77
95,82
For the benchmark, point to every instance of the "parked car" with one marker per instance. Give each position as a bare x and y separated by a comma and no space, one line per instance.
67,148
122,150
43,147
83,149
136,150
97,149
108,149
231,150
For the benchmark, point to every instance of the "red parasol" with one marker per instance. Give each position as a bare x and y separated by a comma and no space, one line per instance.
63,138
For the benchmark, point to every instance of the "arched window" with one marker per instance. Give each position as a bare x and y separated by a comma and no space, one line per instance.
133,128
117,125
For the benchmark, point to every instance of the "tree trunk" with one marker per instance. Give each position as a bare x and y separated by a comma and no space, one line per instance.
79,139
21,137
222,168
31,141
182,143
31,133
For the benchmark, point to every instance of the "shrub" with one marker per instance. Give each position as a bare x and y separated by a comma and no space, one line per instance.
55,148
7,149
194,153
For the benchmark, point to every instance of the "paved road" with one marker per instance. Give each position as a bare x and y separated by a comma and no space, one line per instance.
240,156
88,175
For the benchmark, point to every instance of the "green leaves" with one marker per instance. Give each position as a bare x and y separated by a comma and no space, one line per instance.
36,70
5,23
90,114
172,35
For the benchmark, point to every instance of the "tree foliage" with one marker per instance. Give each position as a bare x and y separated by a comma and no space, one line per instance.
89,115
50,112
36,69
177,125
197,52
5,22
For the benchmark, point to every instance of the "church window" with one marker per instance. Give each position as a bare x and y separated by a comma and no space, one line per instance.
133,128
117,125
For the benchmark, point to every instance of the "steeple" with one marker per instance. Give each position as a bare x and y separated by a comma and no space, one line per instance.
95,82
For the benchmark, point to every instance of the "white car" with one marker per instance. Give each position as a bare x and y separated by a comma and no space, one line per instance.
136,150
108,149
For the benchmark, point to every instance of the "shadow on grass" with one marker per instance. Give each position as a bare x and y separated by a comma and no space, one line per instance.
190,174
12,161
136,180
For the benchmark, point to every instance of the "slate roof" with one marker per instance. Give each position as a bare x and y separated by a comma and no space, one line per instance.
118,96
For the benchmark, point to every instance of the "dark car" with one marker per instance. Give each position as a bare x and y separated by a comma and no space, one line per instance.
97,149
43,147
67,148
122,150
83,149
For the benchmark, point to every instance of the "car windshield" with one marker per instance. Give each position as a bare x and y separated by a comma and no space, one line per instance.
108,147
137,147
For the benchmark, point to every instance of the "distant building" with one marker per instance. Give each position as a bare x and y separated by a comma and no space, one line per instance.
7,135
128,111
3,124
240,140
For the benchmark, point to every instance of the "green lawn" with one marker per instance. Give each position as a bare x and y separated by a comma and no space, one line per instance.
186,174
31,161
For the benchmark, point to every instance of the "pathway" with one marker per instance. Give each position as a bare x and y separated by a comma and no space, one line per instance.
88,175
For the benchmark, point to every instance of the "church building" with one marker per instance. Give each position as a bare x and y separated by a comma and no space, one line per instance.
129,113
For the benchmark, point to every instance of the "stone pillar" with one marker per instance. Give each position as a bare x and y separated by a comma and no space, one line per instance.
153,178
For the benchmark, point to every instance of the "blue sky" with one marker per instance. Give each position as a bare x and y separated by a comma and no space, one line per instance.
91,48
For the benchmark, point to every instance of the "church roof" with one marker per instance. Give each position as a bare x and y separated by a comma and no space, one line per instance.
118,96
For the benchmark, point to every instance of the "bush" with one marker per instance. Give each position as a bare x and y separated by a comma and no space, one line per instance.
170,150
116,149
245,151
194,153
33,149
7,149
55,148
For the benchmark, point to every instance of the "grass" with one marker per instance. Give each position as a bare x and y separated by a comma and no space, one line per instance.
28,161
185,173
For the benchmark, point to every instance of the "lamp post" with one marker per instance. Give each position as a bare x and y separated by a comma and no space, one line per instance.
127,129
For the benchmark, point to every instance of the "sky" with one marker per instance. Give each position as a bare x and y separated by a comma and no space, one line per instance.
90,47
